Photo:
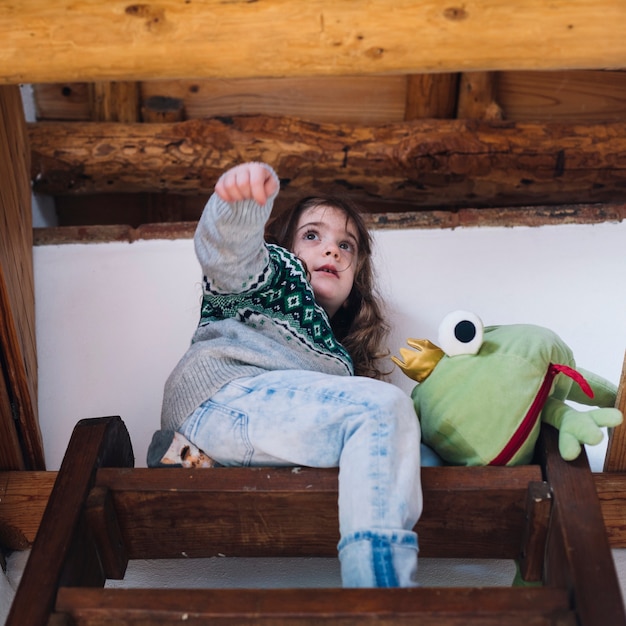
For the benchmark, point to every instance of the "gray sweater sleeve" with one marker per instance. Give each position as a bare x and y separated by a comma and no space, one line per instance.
229,242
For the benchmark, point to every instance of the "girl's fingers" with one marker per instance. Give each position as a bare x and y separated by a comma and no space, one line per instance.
246,181
227,186
271,185
259,177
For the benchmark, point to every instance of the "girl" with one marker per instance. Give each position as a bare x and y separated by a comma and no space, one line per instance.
266,380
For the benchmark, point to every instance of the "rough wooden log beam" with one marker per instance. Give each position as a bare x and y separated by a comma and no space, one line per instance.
54,40
425,163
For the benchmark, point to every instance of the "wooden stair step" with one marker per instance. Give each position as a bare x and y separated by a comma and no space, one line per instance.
301,607
162,513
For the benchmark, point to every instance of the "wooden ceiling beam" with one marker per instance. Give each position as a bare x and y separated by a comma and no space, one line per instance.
424,163
57,41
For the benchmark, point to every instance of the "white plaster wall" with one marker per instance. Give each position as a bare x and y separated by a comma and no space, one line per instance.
112,320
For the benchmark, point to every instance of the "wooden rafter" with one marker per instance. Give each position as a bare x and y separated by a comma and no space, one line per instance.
426,163
53,40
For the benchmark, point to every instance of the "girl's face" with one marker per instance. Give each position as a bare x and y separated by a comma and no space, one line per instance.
327,241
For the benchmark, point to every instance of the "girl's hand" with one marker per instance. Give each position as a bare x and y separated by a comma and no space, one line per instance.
245,182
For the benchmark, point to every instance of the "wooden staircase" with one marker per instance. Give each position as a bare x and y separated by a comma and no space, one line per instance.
102,512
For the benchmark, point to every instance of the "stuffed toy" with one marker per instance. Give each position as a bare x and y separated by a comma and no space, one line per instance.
169,448
484,391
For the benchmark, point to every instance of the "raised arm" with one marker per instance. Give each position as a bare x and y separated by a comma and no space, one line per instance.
229,239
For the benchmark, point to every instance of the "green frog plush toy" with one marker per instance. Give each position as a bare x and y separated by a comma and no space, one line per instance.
483,392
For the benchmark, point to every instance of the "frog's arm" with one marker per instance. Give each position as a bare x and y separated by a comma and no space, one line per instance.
578,427
604,391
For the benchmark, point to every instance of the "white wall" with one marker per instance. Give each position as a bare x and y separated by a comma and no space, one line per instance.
112,319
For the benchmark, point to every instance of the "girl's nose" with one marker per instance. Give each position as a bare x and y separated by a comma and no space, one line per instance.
332,251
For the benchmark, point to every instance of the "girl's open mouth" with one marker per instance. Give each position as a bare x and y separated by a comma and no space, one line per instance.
327,269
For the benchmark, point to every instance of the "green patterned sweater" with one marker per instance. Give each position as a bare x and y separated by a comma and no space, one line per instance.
258,312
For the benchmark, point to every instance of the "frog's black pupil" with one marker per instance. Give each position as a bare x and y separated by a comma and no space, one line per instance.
465,331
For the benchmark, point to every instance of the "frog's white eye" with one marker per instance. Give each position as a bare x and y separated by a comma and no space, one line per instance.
461,332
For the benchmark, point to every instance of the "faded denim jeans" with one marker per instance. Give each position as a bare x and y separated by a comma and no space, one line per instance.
366,427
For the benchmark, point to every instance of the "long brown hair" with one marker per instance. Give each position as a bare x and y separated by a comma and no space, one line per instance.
359,325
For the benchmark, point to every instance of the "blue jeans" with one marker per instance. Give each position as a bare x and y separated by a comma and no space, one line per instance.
366,427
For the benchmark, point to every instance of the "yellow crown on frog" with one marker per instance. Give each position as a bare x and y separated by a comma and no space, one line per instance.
420,362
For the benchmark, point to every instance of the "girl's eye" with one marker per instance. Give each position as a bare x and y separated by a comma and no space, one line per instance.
310,235
347,246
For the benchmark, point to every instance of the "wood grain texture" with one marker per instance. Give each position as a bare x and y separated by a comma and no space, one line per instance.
578,554
54,40
309,607
64,550
578,96
24,495
114,101
22,443
426,163
241,511
551,96
615,460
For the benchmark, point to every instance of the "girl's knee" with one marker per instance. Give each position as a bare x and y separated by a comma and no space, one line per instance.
392,399
391,405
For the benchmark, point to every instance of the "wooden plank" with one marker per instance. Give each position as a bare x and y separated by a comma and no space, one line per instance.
24,495
355,99
549,96
579,96
579,552
302,607
425,163
62,101
23,499
63,551
351,99
538,509
241,511
102,521
92,40
18,350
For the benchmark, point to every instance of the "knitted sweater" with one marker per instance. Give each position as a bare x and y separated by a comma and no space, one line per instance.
258,311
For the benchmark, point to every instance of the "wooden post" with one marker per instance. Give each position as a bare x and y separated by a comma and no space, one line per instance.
430,95
615,460
477,96
578,554
21,444
64,549
114,102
